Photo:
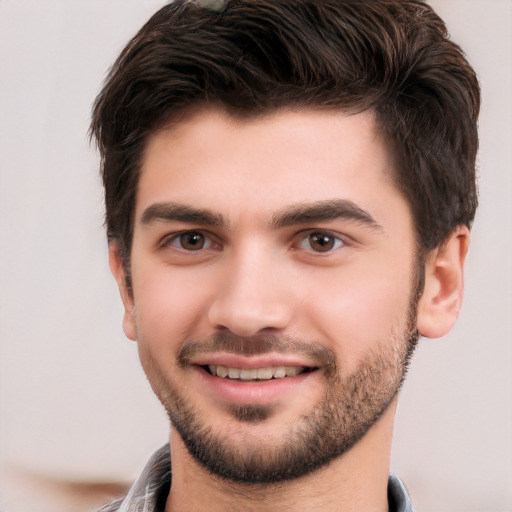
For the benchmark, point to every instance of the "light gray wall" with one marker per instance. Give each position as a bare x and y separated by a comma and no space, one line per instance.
74,403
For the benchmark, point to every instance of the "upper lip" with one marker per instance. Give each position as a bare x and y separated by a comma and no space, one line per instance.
250,362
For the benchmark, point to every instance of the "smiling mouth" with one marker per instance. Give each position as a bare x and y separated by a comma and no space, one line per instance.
256,374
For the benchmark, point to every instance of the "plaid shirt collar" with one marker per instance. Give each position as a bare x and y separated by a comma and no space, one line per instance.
150,490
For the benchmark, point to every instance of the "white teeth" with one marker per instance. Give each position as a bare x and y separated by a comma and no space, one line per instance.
291,372
278,372
233,373
265,373
249,374
222,371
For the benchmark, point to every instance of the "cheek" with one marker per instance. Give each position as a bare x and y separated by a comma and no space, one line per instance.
168,306
360,309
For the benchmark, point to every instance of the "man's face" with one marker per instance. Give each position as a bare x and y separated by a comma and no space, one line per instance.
274,287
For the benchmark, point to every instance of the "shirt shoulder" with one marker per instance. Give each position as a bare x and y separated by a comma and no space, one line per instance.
398,497
149,492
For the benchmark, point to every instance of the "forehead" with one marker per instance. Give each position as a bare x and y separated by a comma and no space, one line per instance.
256,166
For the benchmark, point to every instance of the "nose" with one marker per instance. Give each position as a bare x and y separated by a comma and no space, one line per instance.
252,295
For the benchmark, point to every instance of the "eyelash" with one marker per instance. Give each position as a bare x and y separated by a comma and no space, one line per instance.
175,240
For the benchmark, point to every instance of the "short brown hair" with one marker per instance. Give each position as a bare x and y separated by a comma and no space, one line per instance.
393,57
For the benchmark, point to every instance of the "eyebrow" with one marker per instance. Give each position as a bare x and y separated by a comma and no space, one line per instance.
302,213
182,212
322,211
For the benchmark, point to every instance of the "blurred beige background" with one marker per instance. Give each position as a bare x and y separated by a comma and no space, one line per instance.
77,418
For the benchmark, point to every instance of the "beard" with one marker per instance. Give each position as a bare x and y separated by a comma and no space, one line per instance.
351,404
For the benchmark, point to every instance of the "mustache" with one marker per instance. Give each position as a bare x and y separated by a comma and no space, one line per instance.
252,346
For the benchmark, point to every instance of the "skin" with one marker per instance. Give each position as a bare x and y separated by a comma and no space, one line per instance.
261,275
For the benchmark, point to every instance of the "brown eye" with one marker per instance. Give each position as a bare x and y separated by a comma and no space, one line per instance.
190,241
321,242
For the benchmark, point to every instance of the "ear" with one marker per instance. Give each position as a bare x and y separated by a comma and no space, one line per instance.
115,260
440,303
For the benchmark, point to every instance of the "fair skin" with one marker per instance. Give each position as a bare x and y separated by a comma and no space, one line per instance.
285,227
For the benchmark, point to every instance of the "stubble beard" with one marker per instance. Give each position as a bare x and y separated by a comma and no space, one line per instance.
350,406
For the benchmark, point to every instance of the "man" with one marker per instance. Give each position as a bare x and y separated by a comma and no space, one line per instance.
289,190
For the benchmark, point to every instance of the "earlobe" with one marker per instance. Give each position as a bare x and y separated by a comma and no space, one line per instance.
115,260
440,303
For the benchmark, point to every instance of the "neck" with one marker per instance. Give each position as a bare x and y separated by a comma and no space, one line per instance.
354,482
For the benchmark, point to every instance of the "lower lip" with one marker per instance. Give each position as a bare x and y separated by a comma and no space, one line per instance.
252,392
